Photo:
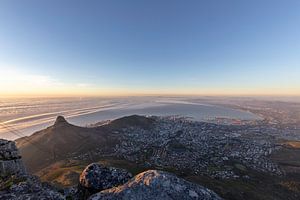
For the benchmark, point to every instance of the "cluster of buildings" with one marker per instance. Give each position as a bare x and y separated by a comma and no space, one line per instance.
184,145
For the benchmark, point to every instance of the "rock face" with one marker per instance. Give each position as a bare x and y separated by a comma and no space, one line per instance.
157,185
95,178
15,183
10,159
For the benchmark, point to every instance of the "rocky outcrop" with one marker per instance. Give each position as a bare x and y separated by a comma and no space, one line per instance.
60,121
158,185
95,178
15,183
10,159
29,188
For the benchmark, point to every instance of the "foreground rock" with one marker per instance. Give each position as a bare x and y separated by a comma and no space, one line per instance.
10,159
15,183
95,178
28,188
156,185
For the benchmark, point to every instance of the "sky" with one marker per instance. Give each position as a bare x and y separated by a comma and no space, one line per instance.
143,47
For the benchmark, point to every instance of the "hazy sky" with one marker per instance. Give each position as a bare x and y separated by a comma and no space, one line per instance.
149,47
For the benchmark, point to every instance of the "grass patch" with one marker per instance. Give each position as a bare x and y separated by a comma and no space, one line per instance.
240,167
8,181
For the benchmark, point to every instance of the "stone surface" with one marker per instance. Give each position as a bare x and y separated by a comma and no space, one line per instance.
15,183
10,159
95,178
157,185
29,188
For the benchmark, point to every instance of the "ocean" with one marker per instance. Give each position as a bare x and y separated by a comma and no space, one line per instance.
22,117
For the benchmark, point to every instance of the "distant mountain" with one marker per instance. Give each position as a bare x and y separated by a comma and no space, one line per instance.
64,140
58,141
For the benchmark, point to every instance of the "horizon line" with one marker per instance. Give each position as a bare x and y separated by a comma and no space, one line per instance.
143,95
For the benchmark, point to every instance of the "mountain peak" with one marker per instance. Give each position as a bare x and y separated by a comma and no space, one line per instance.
60,120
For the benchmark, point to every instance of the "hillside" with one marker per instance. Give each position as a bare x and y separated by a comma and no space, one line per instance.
65,141
95,181
235,161
58,142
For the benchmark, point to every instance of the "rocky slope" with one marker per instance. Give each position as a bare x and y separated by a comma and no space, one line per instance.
29,188
15,183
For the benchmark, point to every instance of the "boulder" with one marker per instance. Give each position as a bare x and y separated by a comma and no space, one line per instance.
95,178
157,185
